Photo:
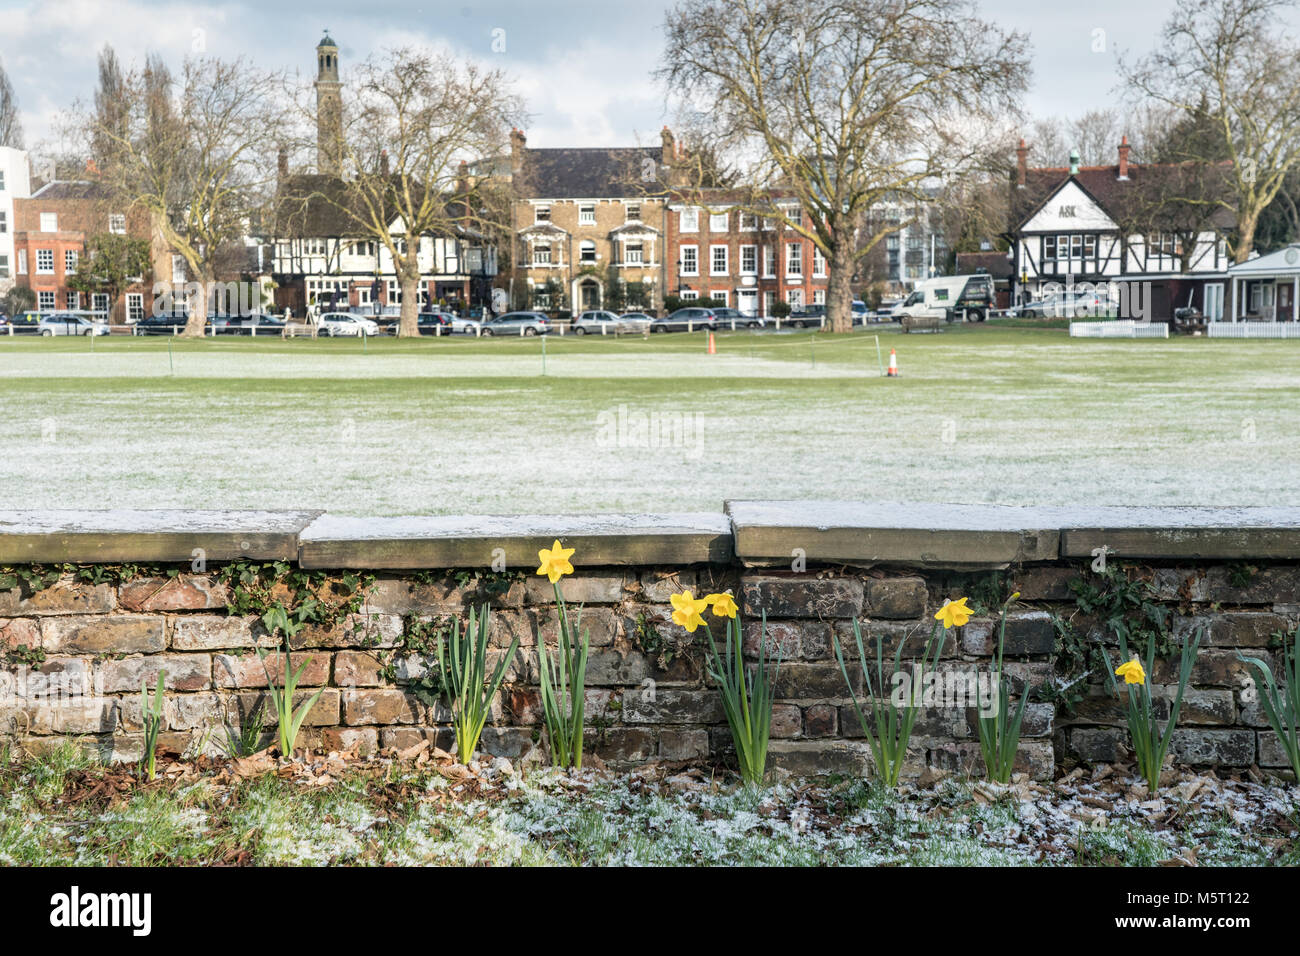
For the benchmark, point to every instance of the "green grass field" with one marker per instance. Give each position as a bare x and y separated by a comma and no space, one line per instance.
980,414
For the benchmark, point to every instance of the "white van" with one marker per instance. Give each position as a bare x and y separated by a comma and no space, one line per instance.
949,298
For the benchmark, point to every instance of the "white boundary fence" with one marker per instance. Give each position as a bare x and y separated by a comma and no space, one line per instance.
1119,329
1253,330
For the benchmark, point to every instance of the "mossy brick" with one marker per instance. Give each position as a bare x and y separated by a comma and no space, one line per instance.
820,720
325,713
658,587
1044,584
1097,744
1027,633
783,637
370,706
62,597
183,592
249,670
1244,629
1034,757
361,630
814,682
181,672
1259,585
801,596
1229,748
1200,706
358,669
621,745
672,706
816,757
404,596
612,667
601,624
677,745
106,634
900,598
585,588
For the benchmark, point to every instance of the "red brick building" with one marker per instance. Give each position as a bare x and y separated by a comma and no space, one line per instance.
50,234
748,261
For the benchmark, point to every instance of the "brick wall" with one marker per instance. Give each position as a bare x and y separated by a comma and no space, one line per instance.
647,695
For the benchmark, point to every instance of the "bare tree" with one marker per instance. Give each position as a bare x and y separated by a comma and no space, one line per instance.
1235,60
111,119
842,105
11,130
415,118
195,153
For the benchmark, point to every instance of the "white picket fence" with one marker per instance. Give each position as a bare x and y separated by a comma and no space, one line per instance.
1119,329
1253,330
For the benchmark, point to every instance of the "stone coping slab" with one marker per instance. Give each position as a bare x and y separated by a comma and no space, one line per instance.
107,537
870,533
945,535
481,542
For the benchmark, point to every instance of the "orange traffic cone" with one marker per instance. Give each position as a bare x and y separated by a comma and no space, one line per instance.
713,346
893,364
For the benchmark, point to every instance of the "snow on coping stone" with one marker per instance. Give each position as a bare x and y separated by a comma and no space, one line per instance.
991,536
513,541
149,536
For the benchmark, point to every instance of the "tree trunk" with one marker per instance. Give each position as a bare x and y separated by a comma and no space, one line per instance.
1246,225
839,297
408,277
197,322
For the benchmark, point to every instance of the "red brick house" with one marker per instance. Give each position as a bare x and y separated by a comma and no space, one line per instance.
748,261
50,233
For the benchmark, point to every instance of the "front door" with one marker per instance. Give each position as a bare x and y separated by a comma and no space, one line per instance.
1283,302
590,292
747,301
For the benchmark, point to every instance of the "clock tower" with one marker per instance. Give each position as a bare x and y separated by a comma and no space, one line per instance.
329,109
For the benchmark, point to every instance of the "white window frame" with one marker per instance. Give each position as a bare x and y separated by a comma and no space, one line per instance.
721,295
49,222
748,222
819,263
4,267
689,295
819,296
117,223
70,262
134,306
45,301
794,297
632,212
749,253
4,222
634,253
691,268
714,268
719,222
73,300
22,262
542,254
689,220
41,259
588,246
587,214
541,214
769,262
794,259
99,302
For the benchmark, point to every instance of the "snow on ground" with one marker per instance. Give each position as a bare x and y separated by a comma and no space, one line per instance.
1024,419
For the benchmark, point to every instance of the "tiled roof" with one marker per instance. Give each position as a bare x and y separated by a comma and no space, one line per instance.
608,172
996,264
1121,199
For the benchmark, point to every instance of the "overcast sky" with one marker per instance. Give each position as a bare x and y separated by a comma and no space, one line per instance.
583,65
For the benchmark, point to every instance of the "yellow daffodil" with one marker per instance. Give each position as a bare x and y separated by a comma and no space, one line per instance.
686,610
953,613
724,605
555,561
1132,672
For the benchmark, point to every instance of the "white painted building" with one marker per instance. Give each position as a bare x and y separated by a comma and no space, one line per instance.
1266,288
15,183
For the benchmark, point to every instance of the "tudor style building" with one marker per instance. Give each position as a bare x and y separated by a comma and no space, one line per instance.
1110,225
320,261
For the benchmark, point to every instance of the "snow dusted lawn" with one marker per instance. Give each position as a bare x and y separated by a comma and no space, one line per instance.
1021,416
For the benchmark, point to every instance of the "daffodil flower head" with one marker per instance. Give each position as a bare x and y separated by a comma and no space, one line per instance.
1132,672
555,561
724,605
687,609
953,613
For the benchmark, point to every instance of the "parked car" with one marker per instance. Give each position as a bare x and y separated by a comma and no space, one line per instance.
24,323
1073,305
601,322
70,323
518,323
335,324
159,325
436,323
260,323
469,325
735,319
687,319
811,317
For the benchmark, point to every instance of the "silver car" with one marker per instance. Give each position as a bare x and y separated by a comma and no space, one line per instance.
517,323
69,323
601,322
344,323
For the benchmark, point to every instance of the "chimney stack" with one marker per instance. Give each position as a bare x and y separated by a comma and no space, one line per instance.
282,163
1123,158
669,151
1022,164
